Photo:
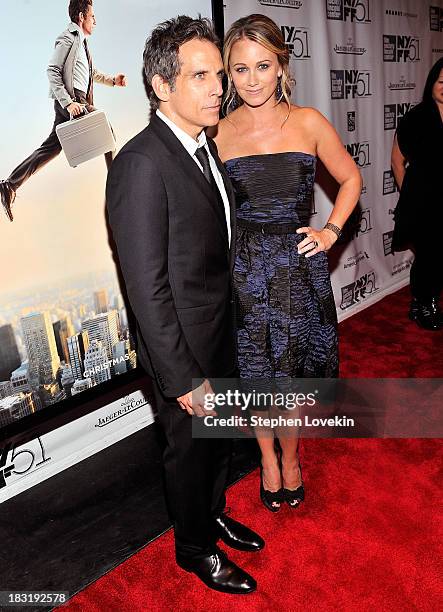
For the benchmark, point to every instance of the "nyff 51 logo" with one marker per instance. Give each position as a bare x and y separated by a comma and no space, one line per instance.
359,151
394,112
356,11
350,84
358,223
21,460
400,48
436,18
297,41
358,290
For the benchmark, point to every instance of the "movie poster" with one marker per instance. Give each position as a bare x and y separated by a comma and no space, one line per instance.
63,323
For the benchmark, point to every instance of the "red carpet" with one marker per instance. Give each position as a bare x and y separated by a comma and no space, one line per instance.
381,342
367,536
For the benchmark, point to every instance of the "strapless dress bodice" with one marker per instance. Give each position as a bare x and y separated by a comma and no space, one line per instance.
273,187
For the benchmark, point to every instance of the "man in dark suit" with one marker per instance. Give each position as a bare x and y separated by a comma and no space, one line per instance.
171,210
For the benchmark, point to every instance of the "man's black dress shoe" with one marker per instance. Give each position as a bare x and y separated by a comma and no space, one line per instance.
236,535
7,195
219,573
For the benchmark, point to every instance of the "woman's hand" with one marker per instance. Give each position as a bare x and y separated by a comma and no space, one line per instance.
315,241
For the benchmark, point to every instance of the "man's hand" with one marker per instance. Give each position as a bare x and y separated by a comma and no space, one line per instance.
75,108
194,401
120,80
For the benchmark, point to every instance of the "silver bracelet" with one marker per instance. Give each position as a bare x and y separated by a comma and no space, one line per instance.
334,228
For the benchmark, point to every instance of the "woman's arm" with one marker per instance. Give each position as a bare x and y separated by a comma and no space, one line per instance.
342,167
398,162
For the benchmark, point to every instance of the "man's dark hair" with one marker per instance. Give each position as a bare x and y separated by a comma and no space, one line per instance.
433,75
76,7
161,54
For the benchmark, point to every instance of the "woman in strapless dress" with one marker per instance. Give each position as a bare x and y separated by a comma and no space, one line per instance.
287,324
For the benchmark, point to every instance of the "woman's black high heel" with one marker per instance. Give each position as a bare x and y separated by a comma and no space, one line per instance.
295,497
270,499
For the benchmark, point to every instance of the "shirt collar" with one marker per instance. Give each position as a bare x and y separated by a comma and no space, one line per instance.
187,141
74,27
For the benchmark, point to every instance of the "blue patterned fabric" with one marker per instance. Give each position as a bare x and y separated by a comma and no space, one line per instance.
287,323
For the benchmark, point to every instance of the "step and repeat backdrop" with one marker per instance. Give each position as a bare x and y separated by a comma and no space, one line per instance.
363,64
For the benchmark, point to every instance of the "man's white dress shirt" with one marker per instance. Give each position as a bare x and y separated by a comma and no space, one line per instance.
191,147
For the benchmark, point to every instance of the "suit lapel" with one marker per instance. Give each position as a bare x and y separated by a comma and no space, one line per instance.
188,166
231,197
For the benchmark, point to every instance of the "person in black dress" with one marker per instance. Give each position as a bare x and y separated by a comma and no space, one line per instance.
286,312
417,163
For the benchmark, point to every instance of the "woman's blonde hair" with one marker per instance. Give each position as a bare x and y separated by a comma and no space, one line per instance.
264,31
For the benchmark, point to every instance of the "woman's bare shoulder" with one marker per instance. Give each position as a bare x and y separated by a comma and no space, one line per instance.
222,131
306,114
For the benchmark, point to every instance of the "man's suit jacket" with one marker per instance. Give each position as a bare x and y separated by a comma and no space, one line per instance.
172,243
61,67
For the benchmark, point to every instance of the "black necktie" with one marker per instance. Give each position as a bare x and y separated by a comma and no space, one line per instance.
89,95
202,155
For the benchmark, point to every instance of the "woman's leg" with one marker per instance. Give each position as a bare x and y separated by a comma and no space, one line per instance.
291,474
269,461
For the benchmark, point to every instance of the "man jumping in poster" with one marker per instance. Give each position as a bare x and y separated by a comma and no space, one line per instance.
71,75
